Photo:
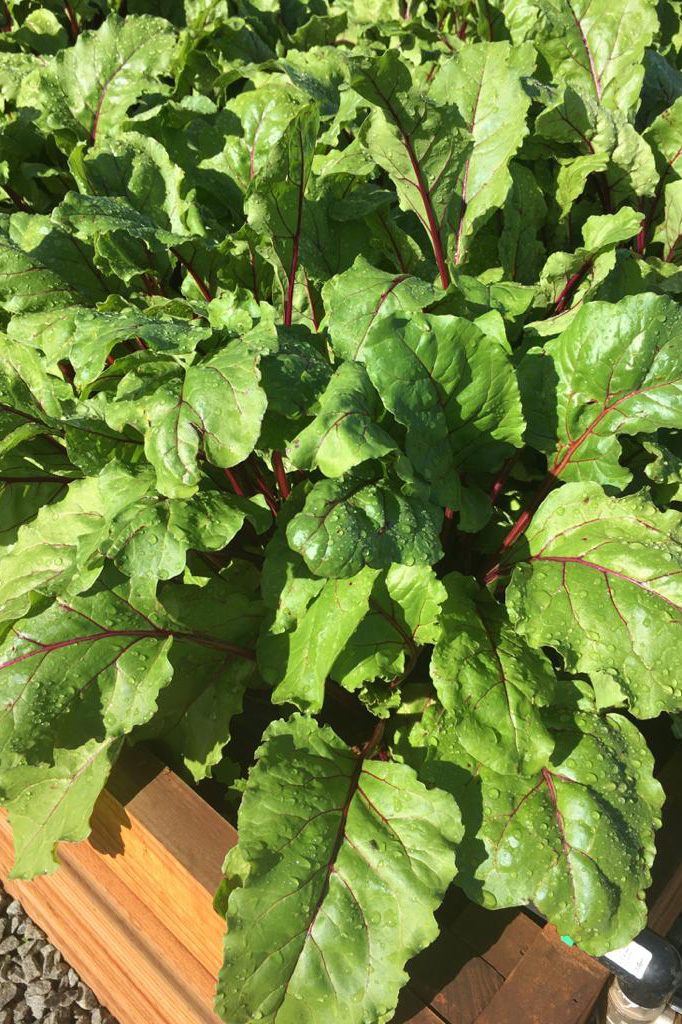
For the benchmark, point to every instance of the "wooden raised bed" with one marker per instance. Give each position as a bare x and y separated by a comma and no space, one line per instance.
131,910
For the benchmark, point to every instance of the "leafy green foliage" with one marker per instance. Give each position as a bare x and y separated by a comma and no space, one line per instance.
340,460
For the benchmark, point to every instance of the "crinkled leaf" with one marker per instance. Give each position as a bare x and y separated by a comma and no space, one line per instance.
490,681
575,838
363,520
484,80
86,91
59,550
51,803
598,579
404,614
617,369
363,295
591,44
423,146
454,389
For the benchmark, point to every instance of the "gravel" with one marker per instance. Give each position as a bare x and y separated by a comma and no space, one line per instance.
36,984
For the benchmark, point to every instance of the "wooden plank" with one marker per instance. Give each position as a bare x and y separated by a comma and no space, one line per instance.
411,1010
551,984
131,908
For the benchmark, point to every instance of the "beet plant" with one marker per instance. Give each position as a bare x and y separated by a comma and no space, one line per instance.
340,455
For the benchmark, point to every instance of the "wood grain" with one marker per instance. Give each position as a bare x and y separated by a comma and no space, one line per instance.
551,984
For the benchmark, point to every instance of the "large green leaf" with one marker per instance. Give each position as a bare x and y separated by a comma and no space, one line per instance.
43,267
86,664
617,369
276,198
345,860
85,92
363,295
596,47
60,550
575,838
404,614
297,663
490,680
361,520
194,718
345,431
86,337
454,389
598,578
216,406
484,81
423,146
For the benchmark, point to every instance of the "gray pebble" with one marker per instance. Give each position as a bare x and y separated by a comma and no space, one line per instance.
86,998
9,944
8,992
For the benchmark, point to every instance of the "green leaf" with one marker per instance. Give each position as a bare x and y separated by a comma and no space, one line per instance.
194,718
345,431
454,389
42,267
86,91
484,80
576,838
404,614
60,550
597,579
666,469
264,114
491,682
363,520
50,803
97,663
297,663
670,231
615,370
521,250
216,406
86,337
340,885
361,297
590,44
422,146
275,202
152,537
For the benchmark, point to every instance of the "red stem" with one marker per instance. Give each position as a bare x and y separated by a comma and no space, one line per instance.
235,484
423,192
282,481
263,487
570,287
16,199
73,20
187,264
498,486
